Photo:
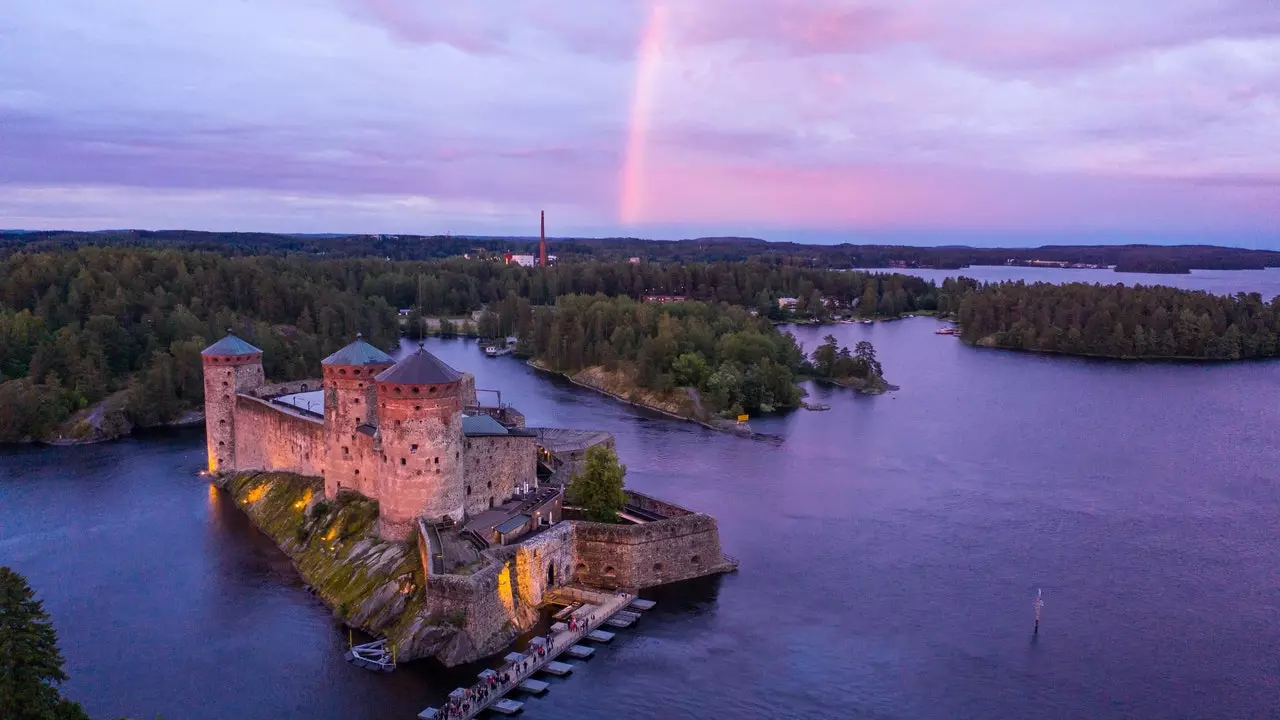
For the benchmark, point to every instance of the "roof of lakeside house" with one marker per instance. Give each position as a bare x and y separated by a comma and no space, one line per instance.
420,368
358,353
231,345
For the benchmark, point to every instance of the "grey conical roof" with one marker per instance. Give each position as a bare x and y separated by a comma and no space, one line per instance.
420,368
231,345
358,353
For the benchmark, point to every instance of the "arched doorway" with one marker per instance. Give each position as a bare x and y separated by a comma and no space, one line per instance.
551,575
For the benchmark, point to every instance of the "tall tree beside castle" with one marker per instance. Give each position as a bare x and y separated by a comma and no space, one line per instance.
597,488
30,663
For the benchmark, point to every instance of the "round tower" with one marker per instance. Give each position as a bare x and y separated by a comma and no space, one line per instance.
350,417
231,366
420,417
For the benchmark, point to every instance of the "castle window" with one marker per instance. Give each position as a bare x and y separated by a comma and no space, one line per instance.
490,484
437,459
490,502
433,389
225,383
221,444
355,401
657,567
222,422
417,407
468,489
397,424
342,371
357,472
357,422
397,390
346,450
355,372
304,387
403,461
416,391
608,569
413,448
696,559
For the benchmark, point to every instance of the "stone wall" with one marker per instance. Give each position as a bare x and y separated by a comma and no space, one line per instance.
640,556
494,465
273,439
287,388
350,401
467,389
654,505
501,599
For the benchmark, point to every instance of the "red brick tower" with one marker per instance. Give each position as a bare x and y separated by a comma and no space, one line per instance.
420,421
542,246
231,366
350,417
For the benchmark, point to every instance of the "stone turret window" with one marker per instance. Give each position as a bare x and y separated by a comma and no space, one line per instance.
404,461
413,448
490,484
355,401
437,459
346,451
696,559
468,489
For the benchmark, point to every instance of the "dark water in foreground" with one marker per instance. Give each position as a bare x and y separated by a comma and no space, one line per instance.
891,549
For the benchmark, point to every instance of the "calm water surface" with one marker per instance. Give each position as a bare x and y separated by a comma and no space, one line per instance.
1220,282
891,549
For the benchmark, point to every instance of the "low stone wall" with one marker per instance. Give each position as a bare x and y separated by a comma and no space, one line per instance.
287,388
272,439
656,553
654,505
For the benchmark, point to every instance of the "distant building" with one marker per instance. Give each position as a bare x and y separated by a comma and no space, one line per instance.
634,261
787,303
663,298
404,312
521,260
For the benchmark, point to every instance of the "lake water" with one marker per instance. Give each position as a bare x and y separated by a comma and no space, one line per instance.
1220,282
891,550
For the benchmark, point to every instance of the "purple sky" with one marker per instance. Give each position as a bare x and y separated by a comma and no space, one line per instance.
926,121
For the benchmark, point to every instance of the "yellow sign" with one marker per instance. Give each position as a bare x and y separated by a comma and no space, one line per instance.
742,418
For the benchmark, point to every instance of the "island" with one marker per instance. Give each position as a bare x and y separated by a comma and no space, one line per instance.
423,517
1119,321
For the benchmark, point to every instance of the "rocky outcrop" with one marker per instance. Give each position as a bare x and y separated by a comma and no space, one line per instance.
369,583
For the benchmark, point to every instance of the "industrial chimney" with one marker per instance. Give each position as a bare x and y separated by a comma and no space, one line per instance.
542,247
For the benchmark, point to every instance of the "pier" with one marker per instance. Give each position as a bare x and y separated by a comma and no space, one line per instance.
589,609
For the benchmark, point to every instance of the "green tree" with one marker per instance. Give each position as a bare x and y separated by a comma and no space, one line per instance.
597,488
30,662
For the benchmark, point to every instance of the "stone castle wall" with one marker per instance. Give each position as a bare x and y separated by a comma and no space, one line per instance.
494,465
640,556
272,439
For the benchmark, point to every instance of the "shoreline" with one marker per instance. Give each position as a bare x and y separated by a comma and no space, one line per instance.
731,428
1191,360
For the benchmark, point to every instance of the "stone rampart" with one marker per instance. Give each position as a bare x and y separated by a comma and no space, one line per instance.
652,504
654,553
274,439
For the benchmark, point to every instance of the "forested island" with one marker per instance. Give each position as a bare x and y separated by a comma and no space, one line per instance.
1125,258
93,336
1116,321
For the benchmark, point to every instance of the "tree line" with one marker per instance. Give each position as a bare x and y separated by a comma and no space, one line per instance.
1119,321
1126,258
83,322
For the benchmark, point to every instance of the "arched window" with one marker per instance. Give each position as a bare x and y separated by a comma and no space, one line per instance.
696,559
608,571
657,567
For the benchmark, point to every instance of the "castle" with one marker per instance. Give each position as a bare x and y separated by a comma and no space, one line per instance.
467,477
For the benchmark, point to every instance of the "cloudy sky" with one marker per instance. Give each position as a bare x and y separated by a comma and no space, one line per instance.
928,121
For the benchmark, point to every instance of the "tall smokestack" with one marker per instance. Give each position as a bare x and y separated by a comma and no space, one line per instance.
542,247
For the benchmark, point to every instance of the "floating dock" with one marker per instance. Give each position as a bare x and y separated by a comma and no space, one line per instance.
619,622
534,687
372,656
507,707
642,605
557,668
600,636
580,652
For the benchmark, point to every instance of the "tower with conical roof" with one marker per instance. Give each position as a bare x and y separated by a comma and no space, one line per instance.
350,404
231,366
420,424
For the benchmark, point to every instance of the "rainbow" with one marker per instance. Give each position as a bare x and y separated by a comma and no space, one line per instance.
631,188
